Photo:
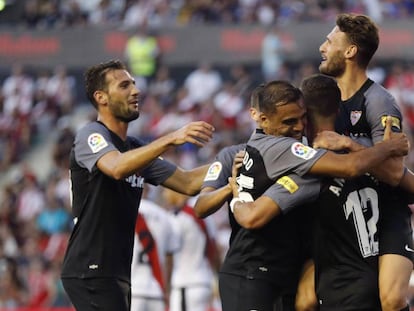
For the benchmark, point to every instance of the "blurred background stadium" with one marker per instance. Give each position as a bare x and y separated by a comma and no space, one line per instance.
208,56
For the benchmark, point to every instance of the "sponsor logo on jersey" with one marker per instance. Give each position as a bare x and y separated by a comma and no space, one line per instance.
213,171
135,181
288,184
302,151
245,182
395,122
355,116
96,142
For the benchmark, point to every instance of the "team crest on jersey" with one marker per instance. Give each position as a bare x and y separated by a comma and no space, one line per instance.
96,142
395,122
355,116
302,151
213,171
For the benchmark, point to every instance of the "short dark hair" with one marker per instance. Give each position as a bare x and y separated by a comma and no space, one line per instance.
321,95
95,77
267,97
361,31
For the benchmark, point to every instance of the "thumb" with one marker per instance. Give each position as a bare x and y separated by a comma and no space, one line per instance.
387,129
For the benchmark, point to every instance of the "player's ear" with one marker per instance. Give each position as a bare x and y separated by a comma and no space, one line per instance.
262,117
351,51
263,120
101,97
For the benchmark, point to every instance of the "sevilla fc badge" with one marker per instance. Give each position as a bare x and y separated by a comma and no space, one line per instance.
355,116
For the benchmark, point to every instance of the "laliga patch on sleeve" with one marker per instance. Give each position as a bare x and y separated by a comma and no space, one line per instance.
302,151
96,142
395,122
288,183
213,171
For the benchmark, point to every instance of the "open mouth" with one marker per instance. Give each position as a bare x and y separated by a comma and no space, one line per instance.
134,103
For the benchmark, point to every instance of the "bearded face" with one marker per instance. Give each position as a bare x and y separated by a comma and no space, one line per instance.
333,65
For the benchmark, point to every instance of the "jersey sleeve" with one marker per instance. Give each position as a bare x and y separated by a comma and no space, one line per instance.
158,171
293,190
380,104
220,170
290,156
91,143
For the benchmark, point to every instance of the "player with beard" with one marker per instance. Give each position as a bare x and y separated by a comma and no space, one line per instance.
346,53
263,261
108,170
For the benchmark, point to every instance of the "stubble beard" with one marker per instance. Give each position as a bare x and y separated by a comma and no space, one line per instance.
126,116
334,68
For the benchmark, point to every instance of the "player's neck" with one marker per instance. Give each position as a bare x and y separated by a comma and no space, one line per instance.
120,128
320,125
351,81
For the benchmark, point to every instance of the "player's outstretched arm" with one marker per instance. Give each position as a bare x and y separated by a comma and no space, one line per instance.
359,162
389,171
198,133
187,182
120,165
336,142
211,199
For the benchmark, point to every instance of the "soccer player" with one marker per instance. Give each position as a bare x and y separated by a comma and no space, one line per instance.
346,53
259,256
346,218
108,170
216,191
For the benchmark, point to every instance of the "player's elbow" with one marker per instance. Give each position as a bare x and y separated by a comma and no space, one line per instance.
118,175
200,211
250,223
191,190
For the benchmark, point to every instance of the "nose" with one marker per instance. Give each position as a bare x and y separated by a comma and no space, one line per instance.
135,91
322,47
300,126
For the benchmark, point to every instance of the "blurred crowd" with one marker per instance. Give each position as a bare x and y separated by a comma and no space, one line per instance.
166,13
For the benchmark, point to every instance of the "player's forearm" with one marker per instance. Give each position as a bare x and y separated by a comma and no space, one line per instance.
209,200
188,182
390,171
120,165
368,158
245,215
333,141
195,178
256,214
